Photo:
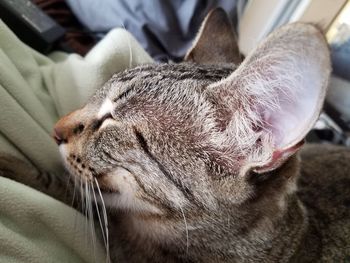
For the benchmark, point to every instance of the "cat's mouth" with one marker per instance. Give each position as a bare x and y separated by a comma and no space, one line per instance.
79,168
106,182
88,174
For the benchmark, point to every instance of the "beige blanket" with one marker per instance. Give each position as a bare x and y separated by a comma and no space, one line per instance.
34,92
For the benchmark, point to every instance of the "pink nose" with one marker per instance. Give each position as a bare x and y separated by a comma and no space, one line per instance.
67,127
58,136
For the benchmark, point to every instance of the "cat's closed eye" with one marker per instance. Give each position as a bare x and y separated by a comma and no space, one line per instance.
98,123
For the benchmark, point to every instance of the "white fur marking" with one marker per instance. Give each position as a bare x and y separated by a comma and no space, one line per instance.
63,151
106,107
126,198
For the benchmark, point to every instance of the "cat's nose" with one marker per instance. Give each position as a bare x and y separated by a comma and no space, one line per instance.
67,127
62,130
59,136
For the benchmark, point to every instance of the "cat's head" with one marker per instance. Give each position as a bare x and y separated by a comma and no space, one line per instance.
166,138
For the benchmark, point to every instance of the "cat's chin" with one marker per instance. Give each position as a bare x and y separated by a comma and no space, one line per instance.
117,202
119,191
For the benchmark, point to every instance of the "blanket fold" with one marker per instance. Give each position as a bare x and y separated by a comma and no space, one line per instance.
35,91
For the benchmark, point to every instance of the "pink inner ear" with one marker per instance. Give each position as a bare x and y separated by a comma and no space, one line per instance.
286,78
295,106
282,123
279,157
280,87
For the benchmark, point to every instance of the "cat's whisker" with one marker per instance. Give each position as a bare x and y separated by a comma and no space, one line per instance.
105,219
83,209
99,217
77,203
82,196
82,202
186,227
74,189
91,217
86,202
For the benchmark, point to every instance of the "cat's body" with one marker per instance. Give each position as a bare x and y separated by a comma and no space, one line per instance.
324,190
198,163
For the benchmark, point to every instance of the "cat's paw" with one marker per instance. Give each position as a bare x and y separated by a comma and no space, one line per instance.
25,173
16,169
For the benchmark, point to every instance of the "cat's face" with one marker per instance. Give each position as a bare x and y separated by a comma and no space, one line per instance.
163,138
146,137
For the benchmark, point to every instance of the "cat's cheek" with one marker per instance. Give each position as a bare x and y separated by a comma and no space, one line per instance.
113,201
122,192
120,181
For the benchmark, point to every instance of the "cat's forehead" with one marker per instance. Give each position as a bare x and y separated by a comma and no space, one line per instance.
161,80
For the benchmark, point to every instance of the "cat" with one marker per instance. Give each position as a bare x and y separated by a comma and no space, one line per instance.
200,161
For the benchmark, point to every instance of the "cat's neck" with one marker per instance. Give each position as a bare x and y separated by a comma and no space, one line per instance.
260,239
266,228
216,237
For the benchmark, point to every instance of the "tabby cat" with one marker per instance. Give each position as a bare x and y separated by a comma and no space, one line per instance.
199,162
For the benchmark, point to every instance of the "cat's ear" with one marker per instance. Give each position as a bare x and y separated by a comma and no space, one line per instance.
274,98
216,41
